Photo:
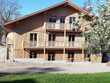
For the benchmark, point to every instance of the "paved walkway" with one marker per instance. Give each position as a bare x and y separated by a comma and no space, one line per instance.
54,68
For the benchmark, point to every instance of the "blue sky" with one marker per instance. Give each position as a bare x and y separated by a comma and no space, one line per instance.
29,6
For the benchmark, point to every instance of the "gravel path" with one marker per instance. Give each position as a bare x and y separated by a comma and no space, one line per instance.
54,68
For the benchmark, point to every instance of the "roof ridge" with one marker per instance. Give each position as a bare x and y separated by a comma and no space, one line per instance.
67,0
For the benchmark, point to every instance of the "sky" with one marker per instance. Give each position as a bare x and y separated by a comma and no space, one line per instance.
30,6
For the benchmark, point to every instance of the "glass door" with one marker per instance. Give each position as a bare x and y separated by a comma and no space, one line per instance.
33,39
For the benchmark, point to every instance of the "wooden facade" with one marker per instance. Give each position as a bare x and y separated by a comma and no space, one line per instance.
52,40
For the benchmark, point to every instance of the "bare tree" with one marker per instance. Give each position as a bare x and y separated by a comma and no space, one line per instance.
9,10
88,5
93,5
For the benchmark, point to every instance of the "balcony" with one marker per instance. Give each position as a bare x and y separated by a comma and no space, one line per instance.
53,44
55,26
62,26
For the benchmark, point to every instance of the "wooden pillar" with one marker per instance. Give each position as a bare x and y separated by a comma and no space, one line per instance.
44,49
14,47
64,55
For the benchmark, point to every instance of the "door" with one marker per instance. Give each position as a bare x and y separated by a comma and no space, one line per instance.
33,39
70,56
72,23
51,39
71,40
52,22
51,56
62,22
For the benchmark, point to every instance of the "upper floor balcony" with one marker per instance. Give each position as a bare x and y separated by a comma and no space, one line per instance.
62,26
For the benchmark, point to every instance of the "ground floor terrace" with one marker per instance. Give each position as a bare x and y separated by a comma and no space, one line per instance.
53,54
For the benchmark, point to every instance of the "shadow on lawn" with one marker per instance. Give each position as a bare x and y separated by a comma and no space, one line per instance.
20,81
31,70
44,70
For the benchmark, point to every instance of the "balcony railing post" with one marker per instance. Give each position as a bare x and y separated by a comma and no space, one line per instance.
64,55
45,27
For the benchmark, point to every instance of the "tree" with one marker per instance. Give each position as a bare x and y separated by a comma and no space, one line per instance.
88,5
92,5
98,36
9,10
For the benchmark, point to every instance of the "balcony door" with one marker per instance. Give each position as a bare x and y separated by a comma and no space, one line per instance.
33,39
71,40
72,23
52,22
62,22
51,39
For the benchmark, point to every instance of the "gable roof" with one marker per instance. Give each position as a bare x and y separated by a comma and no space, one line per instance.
46,9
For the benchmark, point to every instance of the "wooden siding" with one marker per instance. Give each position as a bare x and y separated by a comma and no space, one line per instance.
37,24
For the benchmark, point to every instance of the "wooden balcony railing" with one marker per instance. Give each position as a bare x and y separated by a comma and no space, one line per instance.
55,25
30,44
52,44
61,26
55,44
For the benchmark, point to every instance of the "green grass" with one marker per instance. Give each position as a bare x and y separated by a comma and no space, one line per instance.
56,78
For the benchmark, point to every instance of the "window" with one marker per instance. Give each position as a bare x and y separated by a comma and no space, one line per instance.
62,20
51,56
33,36
71,38
72,20
33,54
53,19
51,37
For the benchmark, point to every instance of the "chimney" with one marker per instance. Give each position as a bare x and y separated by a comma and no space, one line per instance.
67,0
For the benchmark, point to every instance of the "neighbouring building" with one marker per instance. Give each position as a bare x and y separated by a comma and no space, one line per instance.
52,34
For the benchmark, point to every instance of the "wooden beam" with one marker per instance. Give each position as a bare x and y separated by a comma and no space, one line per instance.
64,42
44,40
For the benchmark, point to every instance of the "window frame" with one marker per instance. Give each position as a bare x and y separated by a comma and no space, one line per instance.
52,19
33,55
33,36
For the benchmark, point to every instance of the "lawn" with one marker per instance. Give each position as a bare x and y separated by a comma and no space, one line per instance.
56,78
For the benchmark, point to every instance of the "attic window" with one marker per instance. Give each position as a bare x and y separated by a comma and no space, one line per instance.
53,19
72,19
62,19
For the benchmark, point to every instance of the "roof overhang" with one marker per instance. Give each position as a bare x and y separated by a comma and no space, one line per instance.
46,9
